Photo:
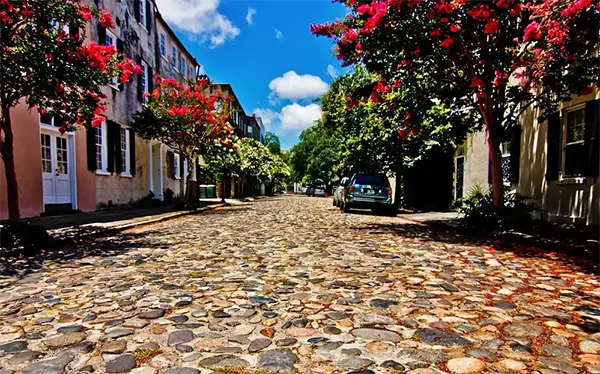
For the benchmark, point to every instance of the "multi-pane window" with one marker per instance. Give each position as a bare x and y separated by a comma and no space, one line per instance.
574,148
125,163
144,79
111,39
182,66
191,72
46,153
174,56
163,45
100,162
61,156
143,12
176,166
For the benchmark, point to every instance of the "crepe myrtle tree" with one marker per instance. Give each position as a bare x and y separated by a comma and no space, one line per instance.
494,58
187,119
46,64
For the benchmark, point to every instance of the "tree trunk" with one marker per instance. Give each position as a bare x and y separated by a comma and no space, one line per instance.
182,178
242,179
223,179
495,159
6,150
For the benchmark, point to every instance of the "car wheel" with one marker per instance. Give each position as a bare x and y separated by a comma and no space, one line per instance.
346,208
392,212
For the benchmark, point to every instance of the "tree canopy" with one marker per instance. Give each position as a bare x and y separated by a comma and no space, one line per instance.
272,143
490,58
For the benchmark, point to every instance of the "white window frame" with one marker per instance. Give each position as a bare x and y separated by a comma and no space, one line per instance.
191,72
174,56
114,83
143,15
103,149
563,155
176,161
163,45
145,81
125,152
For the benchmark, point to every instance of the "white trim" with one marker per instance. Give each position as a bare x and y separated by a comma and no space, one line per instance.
176,165
145,81
104,149
114,84
150,168
142,4
174,55
126,175
102,172
570,181
72,161
127,156
564,144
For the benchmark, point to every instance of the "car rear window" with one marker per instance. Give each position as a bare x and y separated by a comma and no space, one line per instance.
372,180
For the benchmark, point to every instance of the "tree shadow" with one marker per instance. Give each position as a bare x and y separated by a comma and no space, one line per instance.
78,246
586,258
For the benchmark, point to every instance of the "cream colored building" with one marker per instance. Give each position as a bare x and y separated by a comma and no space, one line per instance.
557,163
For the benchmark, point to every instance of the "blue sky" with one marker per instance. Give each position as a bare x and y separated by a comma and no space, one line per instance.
265,50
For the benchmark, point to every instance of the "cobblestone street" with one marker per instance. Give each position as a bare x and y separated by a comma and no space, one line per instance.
291,284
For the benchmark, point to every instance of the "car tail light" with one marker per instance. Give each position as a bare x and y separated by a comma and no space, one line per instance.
351,189
389,192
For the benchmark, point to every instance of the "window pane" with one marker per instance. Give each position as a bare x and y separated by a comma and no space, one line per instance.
372,180
61,155
574,159
99,158
124,136
46,154
575,125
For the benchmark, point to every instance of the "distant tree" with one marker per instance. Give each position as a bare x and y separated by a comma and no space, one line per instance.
272,143
45,63
186,119
472,50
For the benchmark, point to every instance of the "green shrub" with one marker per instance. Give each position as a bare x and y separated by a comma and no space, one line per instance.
478,212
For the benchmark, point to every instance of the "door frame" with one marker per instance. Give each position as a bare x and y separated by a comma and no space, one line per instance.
53,131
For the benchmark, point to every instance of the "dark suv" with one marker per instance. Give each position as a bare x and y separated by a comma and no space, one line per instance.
369,191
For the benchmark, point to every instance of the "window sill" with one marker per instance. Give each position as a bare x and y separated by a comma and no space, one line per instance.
143,27
126,175
178,178
165,58
102,172
114,87
571,181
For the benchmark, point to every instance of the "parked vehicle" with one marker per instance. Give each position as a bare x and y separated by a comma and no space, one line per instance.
319,191
339,190
310,191
369,191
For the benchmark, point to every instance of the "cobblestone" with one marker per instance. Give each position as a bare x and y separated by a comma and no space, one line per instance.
335,293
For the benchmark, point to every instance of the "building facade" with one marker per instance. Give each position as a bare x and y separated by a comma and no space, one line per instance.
554,162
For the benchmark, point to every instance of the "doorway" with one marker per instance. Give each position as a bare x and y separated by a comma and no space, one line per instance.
58,174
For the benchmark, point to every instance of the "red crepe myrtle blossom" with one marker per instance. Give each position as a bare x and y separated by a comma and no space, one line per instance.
447,43
455,28
532,32
492,26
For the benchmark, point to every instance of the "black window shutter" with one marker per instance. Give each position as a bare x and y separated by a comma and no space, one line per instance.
118,153
515,154
592,138
110,145
91,148
170,165
140,93
136,9
148,16
132,151
553,144
101,34
150,79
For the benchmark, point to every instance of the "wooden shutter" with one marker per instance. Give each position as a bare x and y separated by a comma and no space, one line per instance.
136,10
91,148
101,34
554,148
132,151
592,138
148,16
140,93
111,143
170,165
150,79
515,155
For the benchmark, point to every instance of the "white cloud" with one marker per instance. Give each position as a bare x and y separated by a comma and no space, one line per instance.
296,117
251,12
278,34
200,19
268,117
293,118
297,87
332,71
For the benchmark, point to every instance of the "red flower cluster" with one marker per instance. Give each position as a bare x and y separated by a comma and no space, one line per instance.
127,68
481,12
492,26
105,19
98,55
532,32
576,7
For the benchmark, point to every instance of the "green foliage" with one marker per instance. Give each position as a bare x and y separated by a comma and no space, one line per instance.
316,158
479,213
272,143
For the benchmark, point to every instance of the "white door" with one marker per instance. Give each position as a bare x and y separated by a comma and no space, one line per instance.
56,169
157,185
